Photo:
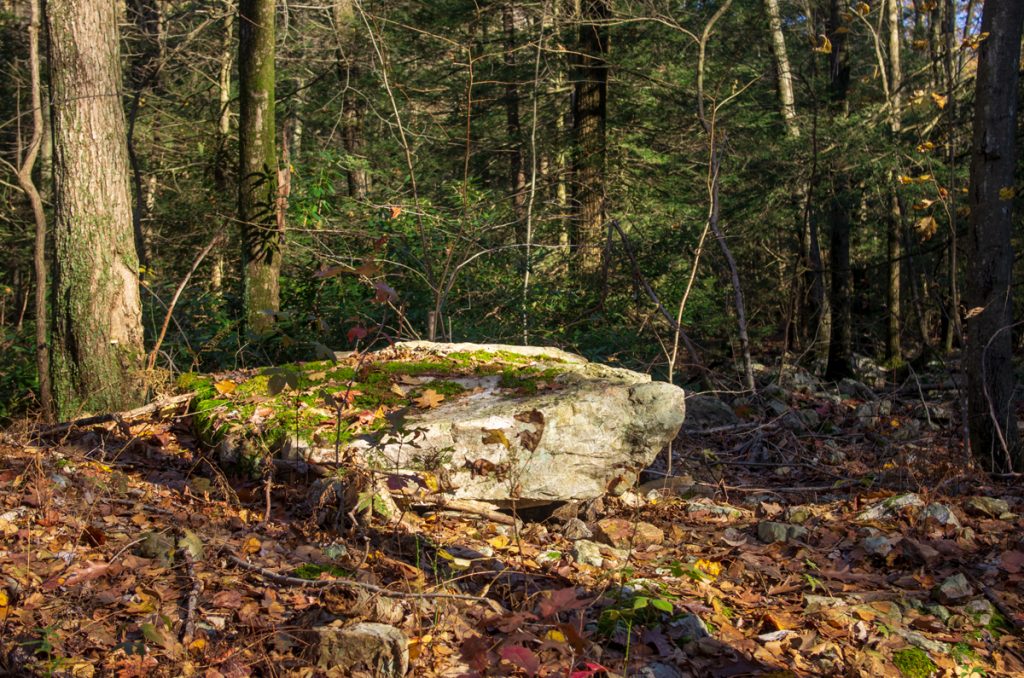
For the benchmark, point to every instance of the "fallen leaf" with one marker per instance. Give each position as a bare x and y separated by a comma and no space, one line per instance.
225,387
429,399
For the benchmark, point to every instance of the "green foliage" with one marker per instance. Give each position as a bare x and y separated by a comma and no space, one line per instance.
18,379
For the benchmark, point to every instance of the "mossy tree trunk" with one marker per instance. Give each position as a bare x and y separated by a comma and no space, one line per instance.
97,319
262,230
995,439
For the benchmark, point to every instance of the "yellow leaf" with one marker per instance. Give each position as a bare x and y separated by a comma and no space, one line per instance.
430,480
499,542
555,635
924,147
398,390
252,545
923,178
904,179
974,311
895,423
824,45
1007,193
455,562
495,436
708,567
225,387
922,205
939,100
4,603
863,8
926,227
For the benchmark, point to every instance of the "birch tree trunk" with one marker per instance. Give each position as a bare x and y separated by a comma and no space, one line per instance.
784,74
97,324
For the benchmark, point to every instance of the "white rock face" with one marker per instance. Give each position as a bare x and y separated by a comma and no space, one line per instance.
587,428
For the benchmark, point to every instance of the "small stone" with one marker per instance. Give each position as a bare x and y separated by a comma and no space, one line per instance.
777,407
657,670
576,529
877,545
775,392
890,507
771,532
705,411
157,546
941,513
690,627
798,515
987,506
940,612
566,512
587,552
717,510
379,649
953,590
811,418
622,533
855,389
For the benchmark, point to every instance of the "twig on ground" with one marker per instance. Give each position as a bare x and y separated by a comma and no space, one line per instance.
193,597
330,583
119,417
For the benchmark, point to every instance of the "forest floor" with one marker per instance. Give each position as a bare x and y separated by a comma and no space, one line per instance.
862,546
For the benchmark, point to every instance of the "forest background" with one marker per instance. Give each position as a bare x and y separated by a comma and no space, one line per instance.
680,187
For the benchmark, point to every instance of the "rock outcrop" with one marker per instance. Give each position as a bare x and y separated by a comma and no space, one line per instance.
504,424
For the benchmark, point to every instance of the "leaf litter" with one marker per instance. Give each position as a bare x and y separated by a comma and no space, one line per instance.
847,542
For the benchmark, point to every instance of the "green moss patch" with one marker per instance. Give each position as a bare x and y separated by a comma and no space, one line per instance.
913,662
323,403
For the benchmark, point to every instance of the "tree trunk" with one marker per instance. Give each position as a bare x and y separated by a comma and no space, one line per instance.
589,119
262,236
840,345
784,74
516,169
351,105
97,326
220,161
28,186
893,347
995,440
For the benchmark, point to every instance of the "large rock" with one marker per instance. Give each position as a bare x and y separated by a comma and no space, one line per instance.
573,441
523,425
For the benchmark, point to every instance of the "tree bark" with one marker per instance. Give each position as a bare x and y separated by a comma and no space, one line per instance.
784,74
893,347
995,440
262,236
351,106
840,345
97,324
39,215
516,169
590,110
